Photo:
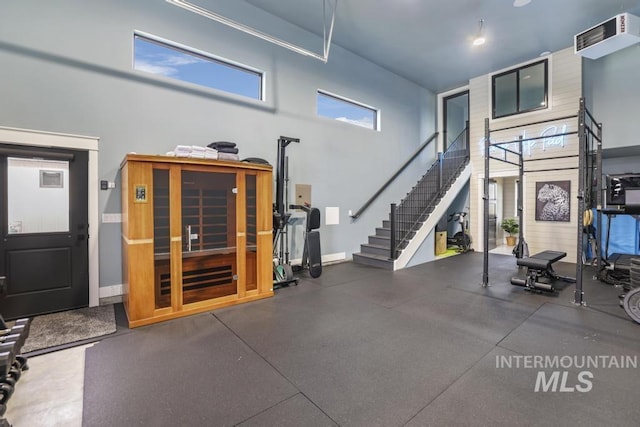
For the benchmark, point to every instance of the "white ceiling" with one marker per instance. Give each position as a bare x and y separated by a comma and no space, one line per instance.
429,41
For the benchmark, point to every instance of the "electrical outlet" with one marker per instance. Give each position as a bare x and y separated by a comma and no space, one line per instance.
111,218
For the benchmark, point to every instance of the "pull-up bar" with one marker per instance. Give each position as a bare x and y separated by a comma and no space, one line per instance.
557,119
583,132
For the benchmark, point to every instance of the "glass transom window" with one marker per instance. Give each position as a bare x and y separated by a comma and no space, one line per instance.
193,66
345,110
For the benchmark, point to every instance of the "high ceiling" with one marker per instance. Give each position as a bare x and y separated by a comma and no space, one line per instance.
430,41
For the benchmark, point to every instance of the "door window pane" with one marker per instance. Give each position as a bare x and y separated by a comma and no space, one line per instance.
33,184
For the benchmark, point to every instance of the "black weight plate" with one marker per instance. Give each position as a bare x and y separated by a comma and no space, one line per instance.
632,304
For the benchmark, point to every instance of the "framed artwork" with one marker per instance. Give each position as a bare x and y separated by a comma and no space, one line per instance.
553,201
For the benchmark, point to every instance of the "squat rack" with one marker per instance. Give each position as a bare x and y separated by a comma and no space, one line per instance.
589,176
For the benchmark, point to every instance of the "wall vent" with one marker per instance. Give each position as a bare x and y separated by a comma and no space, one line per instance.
616,33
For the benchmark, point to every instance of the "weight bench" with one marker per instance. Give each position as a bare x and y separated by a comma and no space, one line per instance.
540,275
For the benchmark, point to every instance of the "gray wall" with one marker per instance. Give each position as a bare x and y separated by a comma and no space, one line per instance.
67,67
612,90
426,251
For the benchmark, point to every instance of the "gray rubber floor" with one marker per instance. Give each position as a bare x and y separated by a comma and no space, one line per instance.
361,346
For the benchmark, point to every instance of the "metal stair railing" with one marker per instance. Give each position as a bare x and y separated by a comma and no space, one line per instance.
394,176
406,217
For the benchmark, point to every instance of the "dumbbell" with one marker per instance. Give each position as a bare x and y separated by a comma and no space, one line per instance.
15,367
6,384
20,326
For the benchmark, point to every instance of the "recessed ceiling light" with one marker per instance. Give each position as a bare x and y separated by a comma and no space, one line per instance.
545,53
520,3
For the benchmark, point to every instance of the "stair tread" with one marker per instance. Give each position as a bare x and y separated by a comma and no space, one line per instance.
373,256
372,245
416,224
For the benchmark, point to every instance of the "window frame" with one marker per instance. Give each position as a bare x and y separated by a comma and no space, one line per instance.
517,71
376,111
201,54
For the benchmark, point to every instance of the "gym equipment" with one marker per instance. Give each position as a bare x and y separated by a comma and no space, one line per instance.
257,160
614,268
540,275
461,238
12,363
631,304
589,160
282,271
630,300
624,191
311,255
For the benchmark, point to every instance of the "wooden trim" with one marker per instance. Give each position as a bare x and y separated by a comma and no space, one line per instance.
203,279
194,162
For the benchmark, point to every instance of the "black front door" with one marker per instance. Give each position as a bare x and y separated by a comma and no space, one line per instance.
44,218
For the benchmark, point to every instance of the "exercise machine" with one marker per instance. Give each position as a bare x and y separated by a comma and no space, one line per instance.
511,152
311,255
282,270
461,238
540,275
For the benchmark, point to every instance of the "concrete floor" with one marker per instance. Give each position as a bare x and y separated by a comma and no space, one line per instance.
50,393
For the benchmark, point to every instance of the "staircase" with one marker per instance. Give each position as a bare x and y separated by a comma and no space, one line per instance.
417,214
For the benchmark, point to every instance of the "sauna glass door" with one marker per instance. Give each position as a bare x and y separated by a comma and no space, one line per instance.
209,268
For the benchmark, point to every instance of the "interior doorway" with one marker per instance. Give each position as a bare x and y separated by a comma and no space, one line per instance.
455,112
44,223
61,162
493,213
505,207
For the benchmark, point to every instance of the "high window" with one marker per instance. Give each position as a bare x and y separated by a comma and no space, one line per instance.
179,62
520,90
346,110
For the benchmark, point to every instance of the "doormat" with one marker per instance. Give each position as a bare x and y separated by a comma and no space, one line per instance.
68,328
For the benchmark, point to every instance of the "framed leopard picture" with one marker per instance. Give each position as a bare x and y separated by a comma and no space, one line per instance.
553,201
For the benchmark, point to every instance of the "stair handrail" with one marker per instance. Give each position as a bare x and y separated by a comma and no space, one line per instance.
394,176
443,178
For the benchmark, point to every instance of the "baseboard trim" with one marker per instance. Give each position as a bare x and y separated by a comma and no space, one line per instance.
327,258
110,291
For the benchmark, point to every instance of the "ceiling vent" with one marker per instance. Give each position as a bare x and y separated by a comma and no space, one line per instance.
610,36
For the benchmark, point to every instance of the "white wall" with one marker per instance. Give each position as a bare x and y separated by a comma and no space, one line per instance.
565,83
